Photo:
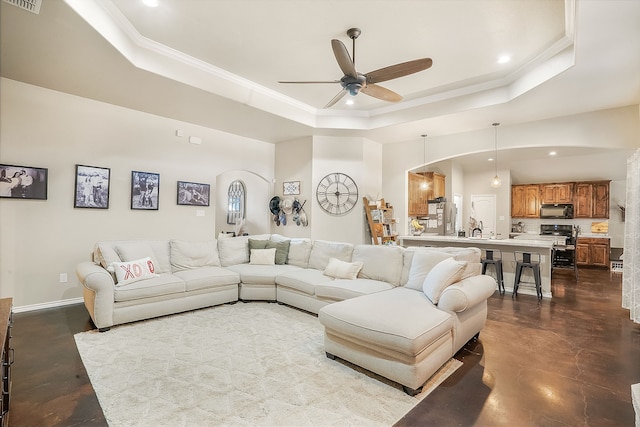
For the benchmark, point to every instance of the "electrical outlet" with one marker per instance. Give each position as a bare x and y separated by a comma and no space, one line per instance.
63,278
199,212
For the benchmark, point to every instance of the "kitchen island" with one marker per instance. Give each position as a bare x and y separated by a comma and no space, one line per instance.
508,247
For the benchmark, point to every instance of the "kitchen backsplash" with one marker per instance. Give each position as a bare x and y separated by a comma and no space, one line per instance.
533,225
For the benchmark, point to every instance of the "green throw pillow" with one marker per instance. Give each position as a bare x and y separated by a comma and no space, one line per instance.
257,244
282,250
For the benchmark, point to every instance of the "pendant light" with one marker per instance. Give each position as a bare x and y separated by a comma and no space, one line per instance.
496,181
425,184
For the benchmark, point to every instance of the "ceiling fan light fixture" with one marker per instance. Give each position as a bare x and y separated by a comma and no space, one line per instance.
354,88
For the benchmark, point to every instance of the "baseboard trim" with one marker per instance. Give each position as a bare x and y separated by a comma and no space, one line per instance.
45,305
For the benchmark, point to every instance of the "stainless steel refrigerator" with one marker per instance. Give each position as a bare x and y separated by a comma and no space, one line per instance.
441,218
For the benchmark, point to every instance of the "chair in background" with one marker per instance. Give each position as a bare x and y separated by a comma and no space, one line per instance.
564,256
528,260
493,257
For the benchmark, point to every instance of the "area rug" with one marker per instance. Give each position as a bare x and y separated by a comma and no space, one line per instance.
256,364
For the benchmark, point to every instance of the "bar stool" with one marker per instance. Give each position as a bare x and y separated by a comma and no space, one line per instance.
529,260
493,257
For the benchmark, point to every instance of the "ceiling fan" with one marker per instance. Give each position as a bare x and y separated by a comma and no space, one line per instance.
354,82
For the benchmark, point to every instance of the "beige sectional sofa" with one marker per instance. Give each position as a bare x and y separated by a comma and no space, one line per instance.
401,313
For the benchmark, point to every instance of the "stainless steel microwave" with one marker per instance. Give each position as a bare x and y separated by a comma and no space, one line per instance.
556,211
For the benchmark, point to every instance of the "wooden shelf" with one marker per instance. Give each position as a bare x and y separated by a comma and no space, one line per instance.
382,224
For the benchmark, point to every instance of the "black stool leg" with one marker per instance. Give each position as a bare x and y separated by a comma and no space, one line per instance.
536,275
500,278
517,280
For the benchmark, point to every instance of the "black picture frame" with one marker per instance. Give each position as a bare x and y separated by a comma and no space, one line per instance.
145,190
92,187
193,193
23,182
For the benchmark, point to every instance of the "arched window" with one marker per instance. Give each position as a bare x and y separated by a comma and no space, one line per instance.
235,208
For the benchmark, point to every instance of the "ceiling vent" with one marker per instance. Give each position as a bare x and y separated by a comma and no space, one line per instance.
32,6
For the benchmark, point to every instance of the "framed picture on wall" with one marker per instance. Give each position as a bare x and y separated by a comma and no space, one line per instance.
145,188
193,193
23,182
291,188
92,187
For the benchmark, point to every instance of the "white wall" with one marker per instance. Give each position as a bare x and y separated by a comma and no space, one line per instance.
43,128
361,160
294,162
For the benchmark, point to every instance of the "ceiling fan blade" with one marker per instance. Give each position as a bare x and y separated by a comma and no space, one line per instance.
398,70
381,93
310,82
344,59
336,98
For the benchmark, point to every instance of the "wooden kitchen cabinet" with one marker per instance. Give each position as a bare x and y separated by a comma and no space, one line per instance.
591,200
525,201
418,196
556,193
593,252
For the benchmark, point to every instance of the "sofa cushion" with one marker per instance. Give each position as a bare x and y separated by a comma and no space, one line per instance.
341,289
323,250
380,262
303,280
263,256
234,250
445,273
207,277
342,270
130,251
162,284
421,263
469,254
299,251
104,253
186,255
400,319
132,271
261,274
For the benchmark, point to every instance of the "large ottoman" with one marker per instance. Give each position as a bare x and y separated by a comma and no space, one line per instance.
398,334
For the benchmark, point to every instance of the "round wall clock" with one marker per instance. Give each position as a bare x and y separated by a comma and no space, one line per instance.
337,193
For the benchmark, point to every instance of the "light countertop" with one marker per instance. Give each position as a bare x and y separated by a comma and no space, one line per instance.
537,243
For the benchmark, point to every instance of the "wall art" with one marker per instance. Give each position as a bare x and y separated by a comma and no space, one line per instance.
193,193
23,182
291,188
92,187
145,190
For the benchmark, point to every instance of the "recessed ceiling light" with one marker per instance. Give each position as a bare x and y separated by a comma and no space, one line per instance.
552,153
504,58
151,3
490,159
349,102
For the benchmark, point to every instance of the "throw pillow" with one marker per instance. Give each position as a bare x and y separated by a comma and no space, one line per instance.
132,271
263,256
342,269
445,273
421,264
282,250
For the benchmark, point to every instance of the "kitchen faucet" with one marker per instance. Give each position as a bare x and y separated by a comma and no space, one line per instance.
477,229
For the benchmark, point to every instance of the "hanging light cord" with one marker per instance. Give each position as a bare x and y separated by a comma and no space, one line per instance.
495,126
